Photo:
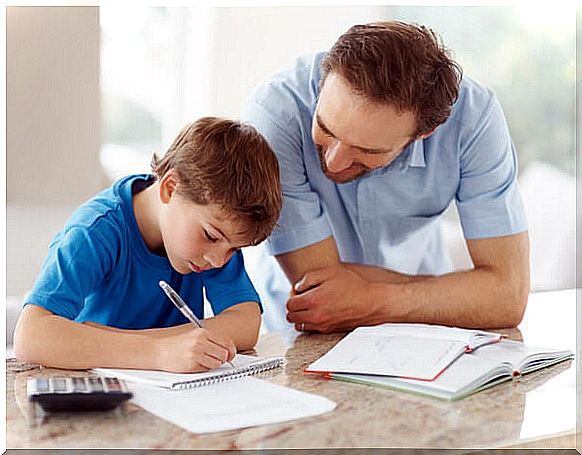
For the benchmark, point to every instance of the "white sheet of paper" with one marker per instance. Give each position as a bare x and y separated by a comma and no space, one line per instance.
229,405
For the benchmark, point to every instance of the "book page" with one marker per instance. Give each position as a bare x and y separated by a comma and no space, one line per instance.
390,355
465,374
521,356
229,405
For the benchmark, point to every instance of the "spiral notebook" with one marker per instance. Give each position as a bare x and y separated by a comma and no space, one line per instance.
244,365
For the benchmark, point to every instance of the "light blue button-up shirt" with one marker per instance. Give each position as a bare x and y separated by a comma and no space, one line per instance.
389,217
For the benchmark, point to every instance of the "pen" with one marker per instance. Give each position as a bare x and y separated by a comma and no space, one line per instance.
181,305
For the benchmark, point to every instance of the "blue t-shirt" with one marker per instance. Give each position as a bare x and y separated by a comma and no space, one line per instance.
99,269
390,217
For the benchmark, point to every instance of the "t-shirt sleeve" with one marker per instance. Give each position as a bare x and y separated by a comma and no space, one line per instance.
488,197
229,285
303,220
77,262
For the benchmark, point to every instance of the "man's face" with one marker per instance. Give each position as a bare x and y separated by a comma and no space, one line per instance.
353,135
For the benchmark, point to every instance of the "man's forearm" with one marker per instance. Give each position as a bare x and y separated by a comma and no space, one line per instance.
475,298
340,297
493,294
380,275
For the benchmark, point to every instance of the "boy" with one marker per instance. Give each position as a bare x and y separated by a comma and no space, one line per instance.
97,302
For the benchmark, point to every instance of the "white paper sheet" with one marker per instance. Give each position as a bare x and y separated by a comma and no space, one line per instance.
229,405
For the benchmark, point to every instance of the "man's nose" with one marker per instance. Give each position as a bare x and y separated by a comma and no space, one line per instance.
338,157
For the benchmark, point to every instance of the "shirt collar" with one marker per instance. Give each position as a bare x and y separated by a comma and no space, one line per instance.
417,155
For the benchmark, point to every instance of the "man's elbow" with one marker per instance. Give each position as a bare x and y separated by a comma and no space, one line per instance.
516,305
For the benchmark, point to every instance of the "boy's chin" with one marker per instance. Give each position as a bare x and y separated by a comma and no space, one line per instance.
182,269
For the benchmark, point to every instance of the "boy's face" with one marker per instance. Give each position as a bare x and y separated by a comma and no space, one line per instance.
198,237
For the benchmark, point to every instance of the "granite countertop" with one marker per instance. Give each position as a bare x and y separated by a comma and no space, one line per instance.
365,416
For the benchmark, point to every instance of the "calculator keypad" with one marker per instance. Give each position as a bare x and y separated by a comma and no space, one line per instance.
77,394
36,386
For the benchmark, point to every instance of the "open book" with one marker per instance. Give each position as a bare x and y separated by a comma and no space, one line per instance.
244,365
472,372
418,351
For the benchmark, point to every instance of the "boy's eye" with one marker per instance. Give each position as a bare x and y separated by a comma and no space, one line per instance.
209,237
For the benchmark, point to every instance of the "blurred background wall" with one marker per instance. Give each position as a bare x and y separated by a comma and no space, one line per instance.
53,126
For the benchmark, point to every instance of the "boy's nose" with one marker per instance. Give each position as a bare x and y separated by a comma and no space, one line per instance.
337,157
216,259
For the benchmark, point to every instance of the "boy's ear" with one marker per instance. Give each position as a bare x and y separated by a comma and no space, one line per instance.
168,185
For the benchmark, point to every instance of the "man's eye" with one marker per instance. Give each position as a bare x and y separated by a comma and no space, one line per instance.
209,237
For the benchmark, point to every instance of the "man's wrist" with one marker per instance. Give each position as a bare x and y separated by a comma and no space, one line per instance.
384,303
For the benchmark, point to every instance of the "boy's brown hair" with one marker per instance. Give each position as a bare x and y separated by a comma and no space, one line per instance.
228,163
402,65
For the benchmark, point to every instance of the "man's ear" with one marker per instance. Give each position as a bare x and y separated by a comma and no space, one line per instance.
168,185
425,135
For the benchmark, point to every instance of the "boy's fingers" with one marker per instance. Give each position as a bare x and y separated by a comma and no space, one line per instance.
217,351
208,362
230,348
226,344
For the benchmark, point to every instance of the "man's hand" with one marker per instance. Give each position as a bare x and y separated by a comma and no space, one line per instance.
329,299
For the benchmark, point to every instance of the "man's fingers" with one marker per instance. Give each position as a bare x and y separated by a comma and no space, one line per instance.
303,327
311,279
296,317
300,302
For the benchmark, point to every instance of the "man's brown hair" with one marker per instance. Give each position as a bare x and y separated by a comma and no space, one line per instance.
228,163
401,65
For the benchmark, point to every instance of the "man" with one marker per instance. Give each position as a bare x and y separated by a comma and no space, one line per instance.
374,139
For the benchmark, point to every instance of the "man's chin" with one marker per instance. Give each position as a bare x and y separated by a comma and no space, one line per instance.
344,177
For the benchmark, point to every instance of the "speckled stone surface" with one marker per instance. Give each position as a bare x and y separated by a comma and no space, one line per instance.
527,409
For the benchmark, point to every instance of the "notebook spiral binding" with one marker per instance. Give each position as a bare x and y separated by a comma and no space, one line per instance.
230,375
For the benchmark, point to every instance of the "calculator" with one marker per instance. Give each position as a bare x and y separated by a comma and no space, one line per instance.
64,394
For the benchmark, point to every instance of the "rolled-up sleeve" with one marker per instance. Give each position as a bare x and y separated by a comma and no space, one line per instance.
303,221
229,285
488,197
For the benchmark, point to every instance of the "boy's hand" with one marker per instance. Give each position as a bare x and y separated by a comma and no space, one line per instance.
194,350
